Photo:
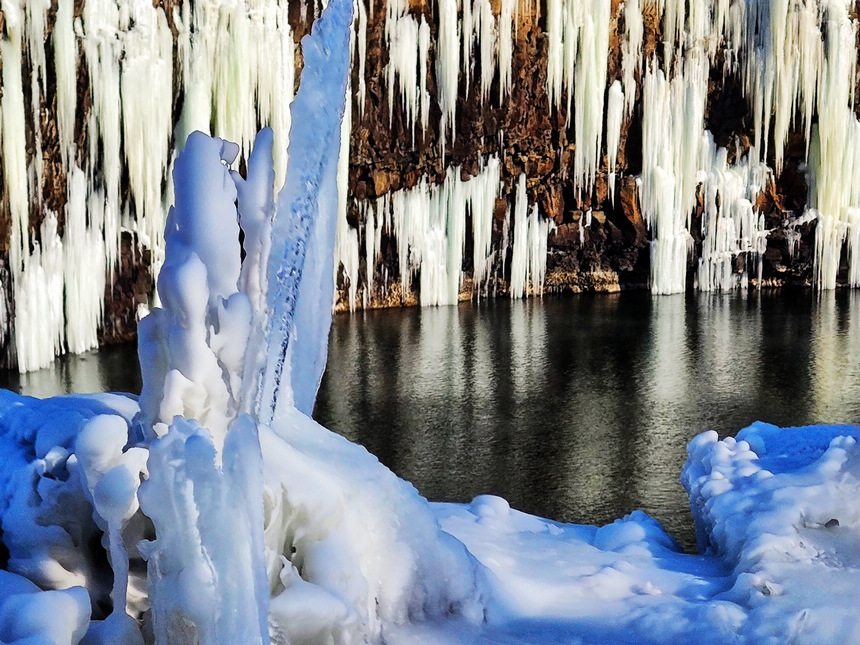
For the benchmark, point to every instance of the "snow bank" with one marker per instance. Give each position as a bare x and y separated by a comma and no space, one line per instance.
779,506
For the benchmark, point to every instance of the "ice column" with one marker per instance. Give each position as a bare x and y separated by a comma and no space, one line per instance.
300,269
408,43
577,58
631,52
672,125
520,257
506,47
834,158
65,68
590,79
730,225
448,67
83,264
484,189
39,329
146,82
103,51
429,223
614,117
530,245
485,26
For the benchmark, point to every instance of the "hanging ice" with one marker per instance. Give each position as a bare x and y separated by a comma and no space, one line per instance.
733,227
672,123
528,264
429,223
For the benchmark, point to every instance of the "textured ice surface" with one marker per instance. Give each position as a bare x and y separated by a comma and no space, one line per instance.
207,513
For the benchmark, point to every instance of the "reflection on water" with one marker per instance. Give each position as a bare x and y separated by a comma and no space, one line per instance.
580,408
575,408
111,369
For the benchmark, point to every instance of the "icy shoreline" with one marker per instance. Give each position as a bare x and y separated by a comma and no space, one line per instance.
213,510
775,510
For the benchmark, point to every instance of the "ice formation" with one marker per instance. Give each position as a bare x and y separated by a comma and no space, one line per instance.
429,223
234,72
614,116
128,51
214,510
672,123
793,60
311,544
528,262
733,227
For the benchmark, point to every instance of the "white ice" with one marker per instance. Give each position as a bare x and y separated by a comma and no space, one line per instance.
127,520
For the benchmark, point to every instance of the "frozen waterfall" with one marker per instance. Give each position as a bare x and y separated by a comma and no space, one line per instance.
97,100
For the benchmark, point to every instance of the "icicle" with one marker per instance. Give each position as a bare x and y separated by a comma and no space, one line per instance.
673,28
83,266
403,66
371,247
14,144
672,123
590,85
484,190
429,223
469,25
519,260
36,19
65,67
37,16
39,328
485,27
346,256
732,228
584,225
506,47
457,199
555,50
852,215
614,117
196,52
233,88
528,263
147,77
423,55
577,58
834,161
448,67
361,54
346,237
102,50
631,52
273,76
538,233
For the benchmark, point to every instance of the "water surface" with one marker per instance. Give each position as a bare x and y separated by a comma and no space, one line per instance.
580,408
575,408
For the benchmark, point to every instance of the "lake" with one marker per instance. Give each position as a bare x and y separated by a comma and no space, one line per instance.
575,408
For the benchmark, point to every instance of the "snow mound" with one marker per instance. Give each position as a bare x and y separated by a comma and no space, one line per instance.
779,507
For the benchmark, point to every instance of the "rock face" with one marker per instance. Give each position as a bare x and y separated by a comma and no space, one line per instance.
495,146
597,241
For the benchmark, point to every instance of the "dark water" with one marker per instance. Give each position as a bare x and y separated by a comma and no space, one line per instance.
111,369
580,408
576,408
